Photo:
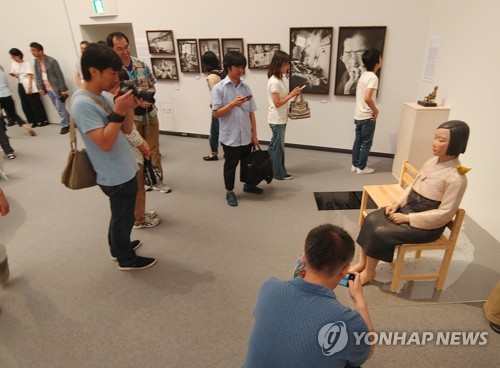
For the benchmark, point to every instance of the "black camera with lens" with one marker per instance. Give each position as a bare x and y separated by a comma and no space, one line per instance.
140,92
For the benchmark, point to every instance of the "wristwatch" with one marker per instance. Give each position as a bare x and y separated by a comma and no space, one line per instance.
115,118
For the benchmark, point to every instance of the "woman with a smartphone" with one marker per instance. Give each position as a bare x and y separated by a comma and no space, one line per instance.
277,117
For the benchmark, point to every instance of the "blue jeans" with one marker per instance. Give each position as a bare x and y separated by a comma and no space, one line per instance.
60,107
122,201
214,135
277,150
365,129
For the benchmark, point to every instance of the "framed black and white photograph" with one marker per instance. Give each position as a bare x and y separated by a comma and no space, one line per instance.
161,42
353,42
165,68
188,55
232,44
261,54
311,54
209,44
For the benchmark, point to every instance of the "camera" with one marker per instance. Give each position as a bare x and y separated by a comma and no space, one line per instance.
145,93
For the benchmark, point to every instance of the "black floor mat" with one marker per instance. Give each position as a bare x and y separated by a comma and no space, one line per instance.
328,201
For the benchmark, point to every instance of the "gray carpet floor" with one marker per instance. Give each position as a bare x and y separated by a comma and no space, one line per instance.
68,305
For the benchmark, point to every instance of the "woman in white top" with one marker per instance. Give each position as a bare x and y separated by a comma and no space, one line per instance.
277,117
28,93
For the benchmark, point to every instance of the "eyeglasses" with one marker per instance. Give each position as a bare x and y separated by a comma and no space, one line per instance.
122,49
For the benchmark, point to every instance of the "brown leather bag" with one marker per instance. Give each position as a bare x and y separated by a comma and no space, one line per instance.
79,172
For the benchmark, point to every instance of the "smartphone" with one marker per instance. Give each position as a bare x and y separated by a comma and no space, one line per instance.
304,86
248,97
345,280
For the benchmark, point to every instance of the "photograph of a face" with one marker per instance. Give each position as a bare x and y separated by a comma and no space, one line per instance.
165,69
188,55
261,54
353,42
161,42
209,44
311,54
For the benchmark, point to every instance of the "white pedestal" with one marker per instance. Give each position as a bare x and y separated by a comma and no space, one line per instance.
416,131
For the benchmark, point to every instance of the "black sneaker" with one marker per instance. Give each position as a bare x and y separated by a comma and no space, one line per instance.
64,130
135,245
140,264
34,125
252,189
43,123
231,199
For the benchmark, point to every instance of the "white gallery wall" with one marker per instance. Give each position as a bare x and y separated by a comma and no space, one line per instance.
465,71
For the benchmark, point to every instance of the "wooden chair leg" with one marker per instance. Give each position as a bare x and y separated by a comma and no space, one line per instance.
362,210
443,271
417,253
398,268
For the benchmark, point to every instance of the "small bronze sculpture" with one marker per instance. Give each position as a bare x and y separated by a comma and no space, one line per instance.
429,100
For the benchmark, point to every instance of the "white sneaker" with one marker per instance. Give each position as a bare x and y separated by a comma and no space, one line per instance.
150,214
366,170
353,168
148,222
163,188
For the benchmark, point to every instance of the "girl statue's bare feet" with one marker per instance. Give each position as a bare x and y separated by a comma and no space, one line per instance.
358,267
366,277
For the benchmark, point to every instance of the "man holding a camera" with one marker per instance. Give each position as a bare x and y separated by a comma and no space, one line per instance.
103,124
145,119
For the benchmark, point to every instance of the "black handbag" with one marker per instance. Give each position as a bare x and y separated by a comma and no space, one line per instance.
259,167
152,174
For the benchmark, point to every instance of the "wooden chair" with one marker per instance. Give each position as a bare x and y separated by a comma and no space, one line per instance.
386,194
2,174
444,242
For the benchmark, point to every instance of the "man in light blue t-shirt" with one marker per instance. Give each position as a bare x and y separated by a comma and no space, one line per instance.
233,105
103,125
300,323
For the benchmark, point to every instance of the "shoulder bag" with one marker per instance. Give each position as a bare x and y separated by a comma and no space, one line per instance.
299,109
79,172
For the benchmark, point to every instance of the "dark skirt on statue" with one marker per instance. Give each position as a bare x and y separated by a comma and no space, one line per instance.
379,235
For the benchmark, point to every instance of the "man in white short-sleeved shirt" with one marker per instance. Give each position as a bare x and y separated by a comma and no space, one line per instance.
366,112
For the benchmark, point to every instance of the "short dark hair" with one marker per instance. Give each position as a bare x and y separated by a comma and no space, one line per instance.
371,58
36,46
234,58
84,43
99,57
118,35
279,58
459,136
16,52
210,61
328,248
